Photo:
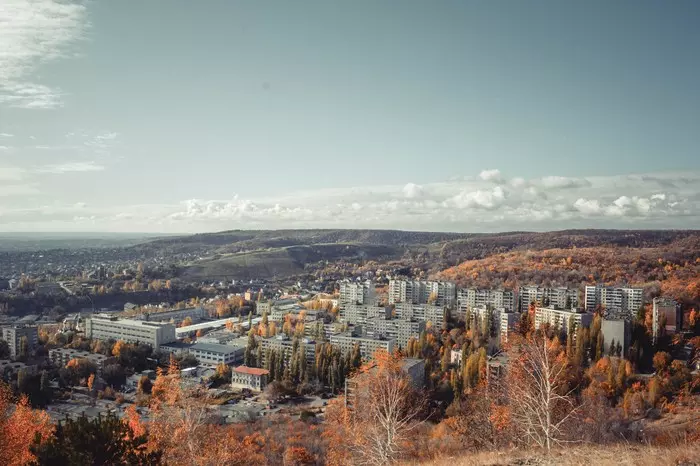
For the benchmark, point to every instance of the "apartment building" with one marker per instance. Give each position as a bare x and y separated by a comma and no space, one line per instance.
358,314
422,312
13,336
557,298
665,310
562,318
129,330
262,307
468,298
62,356
422,292
509,323
356,293
285,345
628,300
399,330
617,331
368,345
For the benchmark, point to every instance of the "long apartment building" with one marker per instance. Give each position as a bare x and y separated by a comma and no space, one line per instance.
354,313
422,292
399,330
562,318
557,298
368,345
468,298
625,299
175,315
285,345
129,330
357,292
14,334
62,356
422,312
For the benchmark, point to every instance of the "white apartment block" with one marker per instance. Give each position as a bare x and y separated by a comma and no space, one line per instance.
626,299
468,298
558,298
358,314
130,331
397,329
285,345
368,345
357,293
669,309
560,318
421,312
422,292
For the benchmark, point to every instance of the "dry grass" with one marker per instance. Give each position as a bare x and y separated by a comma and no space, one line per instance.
600,455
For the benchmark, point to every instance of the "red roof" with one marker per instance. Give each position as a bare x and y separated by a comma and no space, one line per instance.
251,370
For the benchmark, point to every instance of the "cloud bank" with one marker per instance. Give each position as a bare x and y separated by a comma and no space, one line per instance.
486,203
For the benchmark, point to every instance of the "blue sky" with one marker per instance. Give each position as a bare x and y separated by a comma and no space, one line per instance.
175,115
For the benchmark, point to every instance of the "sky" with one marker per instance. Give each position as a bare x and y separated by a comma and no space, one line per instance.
471,116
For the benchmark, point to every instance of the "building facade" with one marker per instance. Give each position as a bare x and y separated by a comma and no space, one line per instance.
665,311
368,345
175,315
250,378
62,356
565,319
285,345
468,298
356,293
397,329
422,292
130,331
14,334
628,300
557,298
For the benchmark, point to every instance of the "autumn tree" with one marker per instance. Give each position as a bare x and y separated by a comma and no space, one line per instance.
20,426
539,396
386,409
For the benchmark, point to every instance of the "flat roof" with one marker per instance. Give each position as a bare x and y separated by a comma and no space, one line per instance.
251,370
215,347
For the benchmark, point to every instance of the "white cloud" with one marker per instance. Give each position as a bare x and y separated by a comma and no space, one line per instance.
479,199
563,182
6,135
4,148
412,191
11,173
491,175
34,32
70,167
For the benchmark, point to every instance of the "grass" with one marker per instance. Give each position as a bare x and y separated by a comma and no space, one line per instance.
598,455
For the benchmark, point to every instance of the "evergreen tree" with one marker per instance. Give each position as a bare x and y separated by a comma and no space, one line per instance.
612,348
103,441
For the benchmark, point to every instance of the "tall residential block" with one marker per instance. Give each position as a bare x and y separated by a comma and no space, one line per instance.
557,298
626,300
13,336
666,311
422,292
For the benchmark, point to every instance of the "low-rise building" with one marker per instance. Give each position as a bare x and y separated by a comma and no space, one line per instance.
212,354
9,369
250,378
62,356
129,330
175,315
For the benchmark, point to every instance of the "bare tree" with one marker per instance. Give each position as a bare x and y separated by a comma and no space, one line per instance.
385,409
538,393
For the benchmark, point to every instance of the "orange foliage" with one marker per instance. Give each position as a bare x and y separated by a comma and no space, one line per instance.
19,426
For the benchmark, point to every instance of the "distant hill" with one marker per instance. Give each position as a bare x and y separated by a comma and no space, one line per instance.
243,254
